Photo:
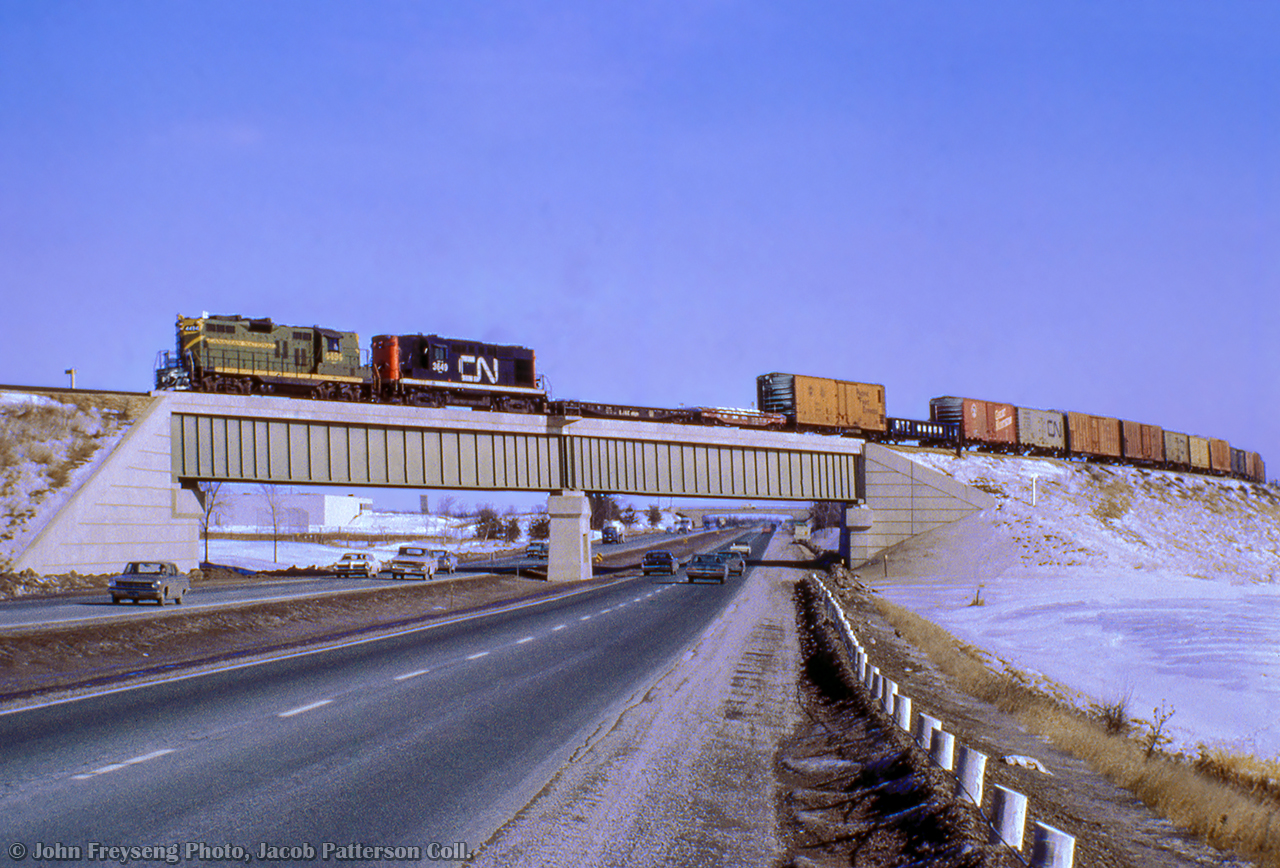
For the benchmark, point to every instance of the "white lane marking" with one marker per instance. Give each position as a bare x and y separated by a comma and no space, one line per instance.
605,611
478,656
585,618
413,674
557,627
525,639
120,765
302,708
323,649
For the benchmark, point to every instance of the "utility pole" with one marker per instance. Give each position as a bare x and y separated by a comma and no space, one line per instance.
72,373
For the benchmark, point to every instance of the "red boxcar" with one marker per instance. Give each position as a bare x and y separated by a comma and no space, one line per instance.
980,421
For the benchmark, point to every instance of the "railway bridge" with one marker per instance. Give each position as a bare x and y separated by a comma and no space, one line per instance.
143,499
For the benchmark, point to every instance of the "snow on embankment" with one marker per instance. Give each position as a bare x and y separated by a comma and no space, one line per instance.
1119,582
47,449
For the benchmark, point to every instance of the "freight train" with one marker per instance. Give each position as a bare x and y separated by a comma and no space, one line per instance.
239,355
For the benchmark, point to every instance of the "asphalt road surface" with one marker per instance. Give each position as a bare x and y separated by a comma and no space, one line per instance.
433,736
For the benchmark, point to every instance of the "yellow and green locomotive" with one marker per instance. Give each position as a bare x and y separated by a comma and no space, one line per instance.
239,355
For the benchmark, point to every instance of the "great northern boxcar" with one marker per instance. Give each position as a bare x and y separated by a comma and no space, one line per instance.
244,356
990,423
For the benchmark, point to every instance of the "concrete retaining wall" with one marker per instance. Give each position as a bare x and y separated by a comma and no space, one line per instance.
130,509
908,499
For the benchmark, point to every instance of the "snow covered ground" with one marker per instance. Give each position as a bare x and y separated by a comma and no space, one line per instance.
1162,587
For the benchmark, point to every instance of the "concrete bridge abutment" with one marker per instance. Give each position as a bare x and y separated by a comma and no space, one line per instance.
569,549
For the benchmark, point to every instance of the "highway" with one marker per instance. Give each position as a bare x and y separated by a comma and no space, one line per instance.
432,736
78,607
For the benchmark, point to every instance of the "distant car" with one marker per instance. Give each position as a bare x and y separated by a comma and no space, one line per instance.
736,563
411,561
356,563
660,561
707,566
149,580
446,561
741,547
537,550
612,535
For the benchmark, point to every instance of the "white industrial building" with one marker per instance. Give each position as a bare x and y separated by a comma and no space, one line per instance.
295,512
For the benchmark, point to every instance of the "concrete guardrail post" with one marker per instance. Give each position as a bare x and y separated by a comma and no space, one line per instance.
925,725
873,680
888,690
902,712
1010,811
942,749
971,768
1052,848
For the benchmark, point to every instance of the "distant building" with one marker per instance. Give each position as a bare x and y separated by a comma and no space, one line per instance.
298,513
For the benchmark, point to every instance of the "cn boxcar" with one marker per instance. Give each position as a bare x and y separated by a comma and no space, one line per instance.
986,422
818,403
1041,431
1097,436
1177,449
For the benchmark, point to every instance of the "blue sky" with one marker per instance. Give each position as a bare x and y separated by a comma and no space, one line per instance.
1071,206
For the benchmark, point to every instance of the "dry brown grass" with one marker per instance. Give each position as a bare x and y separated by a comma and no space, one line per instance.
1209,798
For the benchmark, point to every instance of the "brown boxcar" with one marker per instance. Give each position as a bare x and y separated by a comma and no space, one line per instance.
1093,435
1177,449
980,421
819,402
1199,447
1257,468
1219,456
1142,442
1041,430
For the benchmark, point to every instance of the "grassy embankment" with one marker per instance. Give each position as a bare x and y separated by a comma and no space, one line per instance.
1233,802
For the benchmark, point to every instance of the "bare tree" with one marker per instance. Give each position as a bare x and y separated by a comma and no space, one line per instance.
209,493
273,495
604,507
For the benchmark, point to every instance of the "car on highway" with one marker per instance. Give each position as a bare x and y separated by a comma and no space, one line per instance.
356,563
410,561
706,566
446,561
537,550
660,561
149,580
736,563
742,547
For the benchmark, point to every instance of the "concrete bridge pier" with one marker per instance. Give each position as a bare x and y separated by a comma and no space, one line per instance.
569,550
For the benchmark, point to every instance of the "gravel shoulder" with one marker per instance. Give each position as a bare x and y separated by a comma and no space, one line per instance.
684,776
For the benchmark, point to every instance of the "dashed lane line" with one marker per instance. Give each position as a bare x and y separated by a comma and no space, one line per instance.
524,640
414,674
305,708
120,765
478,655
